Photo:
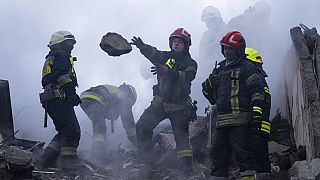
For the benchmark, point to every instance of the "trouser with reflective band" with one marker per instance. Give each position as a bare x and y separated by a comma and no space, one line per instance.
69,152
97,114
251,177
185,158
69,158
50,154
151,117
66,123
237,139
265,127
54,144
260,144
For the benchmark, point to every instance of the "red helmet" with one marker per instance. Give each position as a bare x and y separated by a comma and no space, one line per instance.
234,39
180,33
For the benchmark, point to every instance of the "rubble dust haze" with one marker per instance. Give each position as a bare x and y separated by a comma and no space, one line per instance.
26,27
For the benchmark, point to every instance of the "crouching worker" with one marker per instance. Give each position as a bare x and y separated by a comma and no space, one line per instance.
109,102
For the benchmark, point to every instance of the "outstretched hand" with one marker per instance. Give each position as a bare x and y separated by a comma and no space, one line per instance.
160,69
137,41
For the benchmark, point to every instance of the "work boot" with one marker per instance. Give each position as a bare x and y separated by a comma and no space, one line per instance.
185,166
71,165
98,147
48,159
145,154
184,158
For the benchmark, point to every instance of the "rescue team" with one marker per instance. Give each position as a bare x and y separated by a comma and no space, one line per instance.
237,87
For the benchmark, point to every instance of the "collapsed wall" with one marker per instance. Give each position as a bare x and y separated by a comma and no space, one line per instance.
301,87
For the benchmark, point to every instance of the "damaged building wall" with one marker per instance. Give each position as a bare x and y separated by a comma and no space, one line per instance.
301,89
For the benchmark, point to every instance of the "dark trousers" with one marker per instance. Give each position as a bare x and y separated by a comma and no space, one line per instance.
97,113
151,117
66,123
261,150
236,139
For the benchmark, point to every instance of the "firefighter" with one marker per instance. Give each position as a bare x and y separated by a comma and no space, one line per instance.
175,71
209,44
209,47
58,99
262,128
237,90
109,102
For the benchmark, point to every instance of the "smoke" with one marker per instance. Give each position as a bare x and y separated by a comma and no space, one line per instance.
26,27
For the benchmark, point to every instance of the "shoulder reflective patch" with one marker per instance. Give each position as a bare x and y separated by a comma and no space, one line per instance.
266,89
47,67
111,89
251,79
170,62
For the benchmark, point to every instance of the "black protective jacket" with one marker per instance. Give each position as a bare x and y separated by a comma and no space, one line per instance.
110,98
266,107
175,85
58,63
236,89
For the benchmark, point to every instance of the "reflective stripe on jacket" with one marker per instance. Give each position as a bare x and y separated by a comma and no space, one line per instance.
182,71
59,68
238,88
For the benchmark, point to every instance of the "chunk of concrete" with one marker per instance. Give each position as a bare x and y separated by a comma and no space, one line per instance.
114,44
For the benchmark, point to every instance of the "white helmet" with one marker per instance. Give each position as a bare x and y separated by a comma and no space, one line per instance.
130,93
60,36
210,12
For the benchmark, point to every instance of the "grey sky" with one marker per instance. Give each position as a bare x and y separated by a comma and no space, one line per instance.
26,26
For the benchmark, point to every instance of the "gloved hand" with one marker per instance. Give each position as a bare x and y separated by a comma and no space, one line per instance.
74,100
137,41
256,122
160,70
194,109
71,96
259,126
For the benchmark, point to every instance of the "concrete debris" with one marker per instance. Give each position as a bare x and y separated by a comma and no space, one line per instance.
281,131
301,81
16,163
114,44
303,169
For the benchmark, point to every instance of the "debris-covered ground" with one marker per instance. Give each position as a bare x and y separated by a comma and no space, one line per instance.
17,157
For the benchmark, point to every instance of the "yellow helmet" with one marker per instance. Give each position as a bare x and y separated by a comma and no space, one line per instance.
61,36
253,55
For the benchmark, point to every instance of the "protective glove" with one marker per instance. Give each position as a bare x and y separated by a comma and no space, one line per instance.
137,41
74,100
259,126
194,109
160,70
71,96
